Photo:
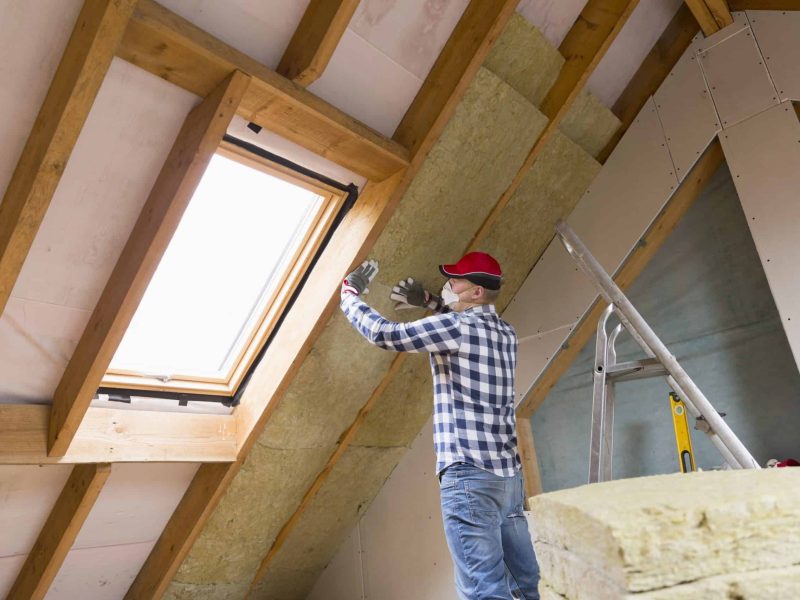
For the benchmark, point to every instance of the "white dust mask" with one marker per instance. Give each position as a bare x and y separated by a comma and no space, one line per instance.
449,297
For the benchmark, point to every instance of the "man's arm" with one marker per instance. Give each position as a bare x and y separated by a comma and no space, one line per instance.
409,294
438,333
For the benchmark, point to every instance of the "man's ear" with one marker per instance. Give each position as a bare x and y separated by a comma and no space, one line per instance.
479,293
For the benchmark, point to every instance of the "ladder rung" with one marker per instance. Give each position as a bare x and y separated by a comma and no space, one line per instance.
636,369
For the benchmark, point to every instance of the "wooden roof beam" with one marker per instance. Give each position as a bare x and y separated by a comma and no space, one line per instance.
59,531
764,4
118,435
350,244
711,15
315,40
658,232
196,143
83,67
654,69
170,47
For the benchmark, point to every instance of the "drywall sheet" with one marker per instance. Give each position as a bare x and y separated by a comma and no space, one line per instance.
610,218
736,75
533,354
686,111
778,37
763,154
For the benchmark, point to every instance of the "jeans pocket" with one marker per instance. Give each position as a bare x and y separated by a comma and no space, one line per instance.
485,500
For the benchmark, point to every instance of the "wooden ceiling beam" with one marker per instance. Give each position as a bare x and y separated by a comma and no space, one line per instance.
118,435
170,47
83,67
196,143
656,66
711,15
59,531
315,40
683,198
315,305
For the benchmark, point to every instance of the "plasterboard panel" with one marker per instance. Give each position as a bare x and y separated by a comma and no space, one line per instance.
412,32
118,155
289,150
552,17
28,67
36,342
778,36
103,573
9,569
533,355
738,80
27,495
261,30
135,504
404,549
366,84
638,35
622,201
763,155
687,112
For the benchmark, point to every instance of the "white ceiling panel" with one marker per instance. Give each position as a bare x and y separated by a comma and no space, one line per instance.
119,153
27,67
367,84
36,342
103,573
27,495
9,569
778,36
261,29
135,504
410,32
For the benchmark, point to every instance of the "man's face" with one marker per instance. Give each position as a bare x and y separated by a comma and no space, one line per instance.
468,292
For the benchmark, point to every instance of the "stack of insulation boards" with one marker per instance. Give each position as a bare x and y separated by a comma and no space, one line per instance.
709,535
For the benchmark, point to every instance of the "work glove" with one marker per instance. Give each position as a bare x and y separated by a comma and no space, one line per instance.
409,294
356,282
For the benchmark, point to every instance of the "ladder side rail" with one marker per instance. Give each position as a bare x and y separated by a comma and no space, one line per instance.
604,282
599,390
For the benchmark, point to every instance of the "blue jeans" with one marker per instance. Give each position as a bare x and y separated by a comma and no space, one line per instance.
488,535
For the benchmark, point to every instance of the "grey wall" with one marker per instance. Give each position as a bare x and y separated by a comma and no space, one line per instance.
705,294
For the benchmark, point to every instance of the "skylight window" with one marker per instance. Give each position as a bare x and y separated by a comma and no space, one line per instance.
236,256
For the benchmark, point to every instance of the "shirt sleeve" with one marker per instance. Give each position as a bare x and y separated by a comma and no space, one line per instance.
438,333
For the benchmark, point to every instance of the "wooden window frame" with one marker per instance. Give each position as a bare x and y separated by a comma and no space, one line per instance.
268,319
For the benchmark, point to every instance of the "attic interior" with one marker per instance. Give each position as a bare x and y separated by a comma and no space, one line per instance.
185,412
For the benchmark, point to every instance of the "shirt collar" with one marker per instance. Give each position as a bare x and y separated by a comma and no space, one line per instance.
482,309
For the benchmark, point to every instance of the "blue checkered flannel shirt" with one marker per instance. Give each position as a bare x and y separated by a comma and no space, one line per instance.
473,357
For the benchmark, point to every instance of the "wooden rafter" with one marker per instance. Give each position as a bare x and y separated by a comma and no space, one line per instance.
663,56
199,137
59,531
170,47
315,40
527,454
711,15
688,191
315,305
113,435
83,66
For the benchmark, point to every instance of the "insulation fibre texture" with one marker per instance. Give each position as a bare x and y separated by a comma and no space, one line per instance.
354,482
475,158
525,59
625,535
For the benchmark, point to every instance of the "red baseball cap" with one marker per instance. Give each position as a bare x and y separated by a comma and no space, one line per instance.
478,267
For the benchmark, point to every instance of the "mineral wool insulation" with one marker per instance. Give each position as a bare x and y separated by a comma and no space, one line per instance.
710,535
468,169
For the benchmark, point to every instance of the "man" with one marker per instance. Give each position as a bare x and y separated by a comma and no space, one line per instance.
473,357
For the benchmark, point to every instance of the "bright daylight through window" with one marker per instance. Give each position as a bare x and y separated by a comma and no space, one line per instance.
239,251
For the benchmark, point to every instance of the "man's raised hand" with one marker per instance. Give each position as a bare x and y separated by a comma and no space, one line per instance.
357,282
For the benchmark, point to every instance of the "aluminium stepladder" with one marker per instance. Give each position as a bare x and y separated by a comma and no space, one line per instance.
658,362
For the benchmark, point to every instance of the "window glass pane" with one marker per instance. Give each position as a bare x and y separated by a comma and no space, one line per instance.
227,257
